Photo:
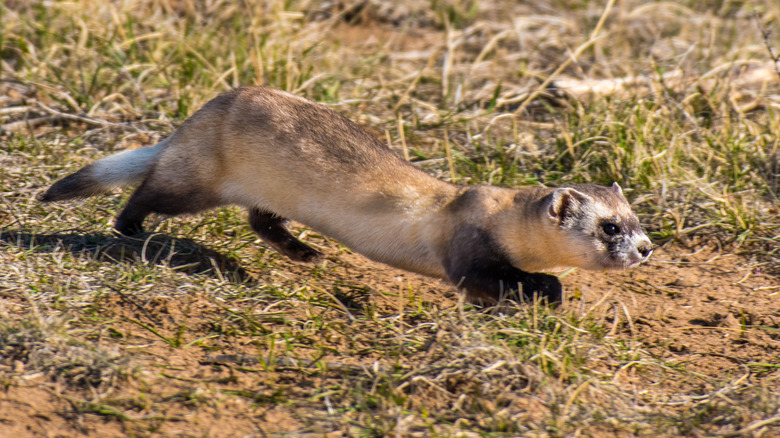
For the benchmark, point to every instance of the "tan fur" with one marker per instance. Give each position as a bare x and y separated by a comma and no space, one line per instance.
269,150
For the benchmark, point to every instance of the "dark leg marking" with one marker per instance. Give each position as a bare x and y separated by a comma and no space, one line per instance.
477,264
271,229
148,198
131,219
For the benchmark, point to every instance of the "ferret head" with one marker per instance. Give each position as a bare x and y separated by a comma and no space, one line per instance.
598,227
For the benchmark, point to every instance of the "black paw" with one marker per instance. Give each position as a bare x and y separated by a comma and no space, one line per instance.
491,290
543,286
298,251
128,229
307,255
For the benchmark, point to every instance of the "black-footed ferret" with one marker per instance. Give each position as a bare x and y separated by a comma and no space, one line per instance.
284,157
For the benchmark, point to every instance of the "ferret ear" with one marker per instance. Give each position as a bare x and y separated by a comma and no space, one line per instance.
616,188
566,202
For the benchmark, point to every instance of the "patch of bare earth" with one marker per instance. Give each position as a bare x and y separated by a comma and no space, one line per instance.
709,312
192,336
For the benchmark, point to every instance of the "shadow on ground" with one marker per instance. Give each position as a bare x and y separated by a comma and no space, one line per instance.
183,255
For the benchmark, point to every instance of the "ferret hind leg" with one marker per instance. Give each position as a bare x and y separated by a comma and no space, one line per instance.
270,228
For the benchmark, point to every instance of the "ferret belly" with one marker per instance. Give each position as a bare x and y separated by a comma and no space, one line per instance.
363,220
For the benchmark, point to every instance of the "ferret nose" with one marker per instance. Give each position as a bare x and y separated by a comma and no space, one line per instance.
645,248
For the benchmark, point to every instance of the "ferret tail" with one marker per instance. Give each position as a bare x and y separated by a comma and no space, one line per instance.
126,168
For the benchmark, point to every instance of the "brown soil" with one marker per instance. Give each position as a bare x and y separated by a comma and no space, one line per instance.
711,311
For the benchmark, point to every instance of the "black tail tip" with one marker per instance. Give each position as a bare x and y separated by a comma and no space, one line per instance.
54,193
76,185
43,197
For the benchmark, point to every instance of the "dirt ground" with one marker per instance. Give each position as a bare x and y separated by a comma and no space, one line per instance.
184,356
700,307
707,309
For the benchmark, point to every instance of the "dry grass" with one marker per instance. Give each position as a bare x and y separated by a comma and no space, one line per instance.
198,330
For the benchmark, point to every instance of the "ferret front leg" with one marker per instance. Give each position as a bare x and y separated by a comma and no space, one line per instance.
488,283
477,264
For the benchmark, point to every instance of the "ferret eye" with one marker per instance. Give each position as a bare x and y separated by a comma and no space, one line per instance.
610,229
